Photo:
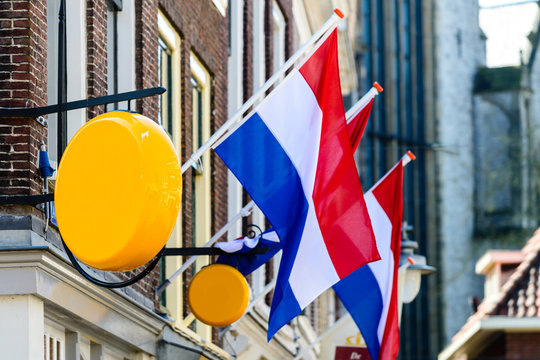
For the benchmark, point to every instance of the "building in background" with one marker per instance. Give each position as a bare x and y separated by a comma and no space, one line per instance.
506,324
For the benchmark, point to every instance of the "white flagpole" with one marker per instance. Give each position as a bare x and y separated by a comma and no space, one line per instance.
407,158
330,24
375,90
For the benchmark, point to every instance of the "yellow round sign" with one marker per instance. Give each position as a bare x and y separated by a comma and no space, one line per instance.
118,191
218,295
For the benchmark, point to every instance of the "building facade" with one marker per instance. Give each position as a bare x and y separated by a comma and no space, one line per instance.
110,47
211,56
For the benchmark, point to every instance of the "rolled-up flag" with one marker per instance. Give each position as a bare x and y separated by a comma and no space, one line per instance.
44,165
240,255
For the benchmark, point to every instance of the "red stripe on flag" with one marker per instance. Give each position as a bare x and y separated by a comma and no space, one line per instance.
358,124
389,194
337,193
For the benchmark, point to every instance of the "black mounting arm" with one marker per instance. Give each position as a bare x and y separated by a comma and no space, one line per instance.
80,104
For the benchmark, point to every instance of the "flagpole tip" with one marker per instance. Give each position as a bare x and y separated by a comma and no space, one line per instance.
411,155
339,13
378,87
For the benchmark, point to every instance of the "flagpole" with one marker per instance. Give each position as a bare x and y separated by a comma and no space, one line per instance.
375,90
405,159
330,24
244,212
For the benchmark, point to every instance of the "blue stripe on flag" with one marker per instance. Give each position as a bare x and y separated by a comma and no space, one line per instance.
259,162
361,296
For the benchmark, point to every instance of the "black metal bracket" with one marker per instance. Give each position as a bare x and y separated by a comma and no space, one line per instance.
25,199
195,251
80,104
72,105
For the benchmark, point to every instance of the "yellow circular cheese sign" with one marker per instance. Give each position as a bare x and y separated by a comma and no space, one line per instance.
218,295
118,191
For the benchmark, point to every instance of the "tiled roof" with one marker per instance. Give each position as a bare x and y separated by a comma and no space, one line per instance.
519,296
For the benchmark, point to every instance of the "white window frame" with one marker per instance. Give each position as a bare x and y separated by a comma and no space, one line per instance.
174,295
76,65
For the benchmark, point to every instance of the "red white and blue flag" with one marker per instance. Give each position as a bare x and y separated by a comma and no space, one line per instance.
370,293
293,156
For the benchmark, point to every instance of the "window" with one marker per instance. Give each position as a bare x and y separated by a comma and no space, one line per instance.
76,56
169,78
265,274
201,176
165,80
60,343
53,348
200,82
168,117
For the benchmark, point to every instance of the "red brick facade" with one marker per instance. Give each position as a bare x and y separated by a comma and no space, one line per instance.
23,78
96,43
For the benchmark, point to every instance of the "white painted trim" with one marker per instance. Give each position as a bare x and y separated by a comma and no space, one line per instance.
221,5
126,47
76,63
301,21
259,68
41,273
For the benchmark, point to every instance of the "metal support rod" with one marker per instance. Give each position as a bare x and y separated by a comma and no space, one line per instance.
197,251
61,80
80,104
245,211
331,23
262,294
25,199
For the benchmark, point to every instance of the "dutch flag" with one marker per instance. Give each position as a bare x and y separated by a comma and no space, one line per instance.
294,158
370,293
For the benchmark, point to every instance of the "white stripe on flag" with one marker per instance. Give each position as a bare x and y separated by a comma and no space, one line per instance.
283,108
382,227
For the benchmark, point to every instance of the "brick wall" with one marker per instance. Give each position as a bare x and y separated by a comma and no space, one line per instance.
522,346
96,35
23,75
146,55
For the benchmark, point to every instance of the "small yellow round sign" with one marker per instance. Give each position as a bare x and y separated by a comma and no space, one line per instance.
218,295
118,191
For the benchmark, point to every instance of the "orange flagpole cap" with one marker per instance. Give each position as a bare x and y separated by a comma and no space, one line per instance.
339,13
378,87
118,191
218,295
411,155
